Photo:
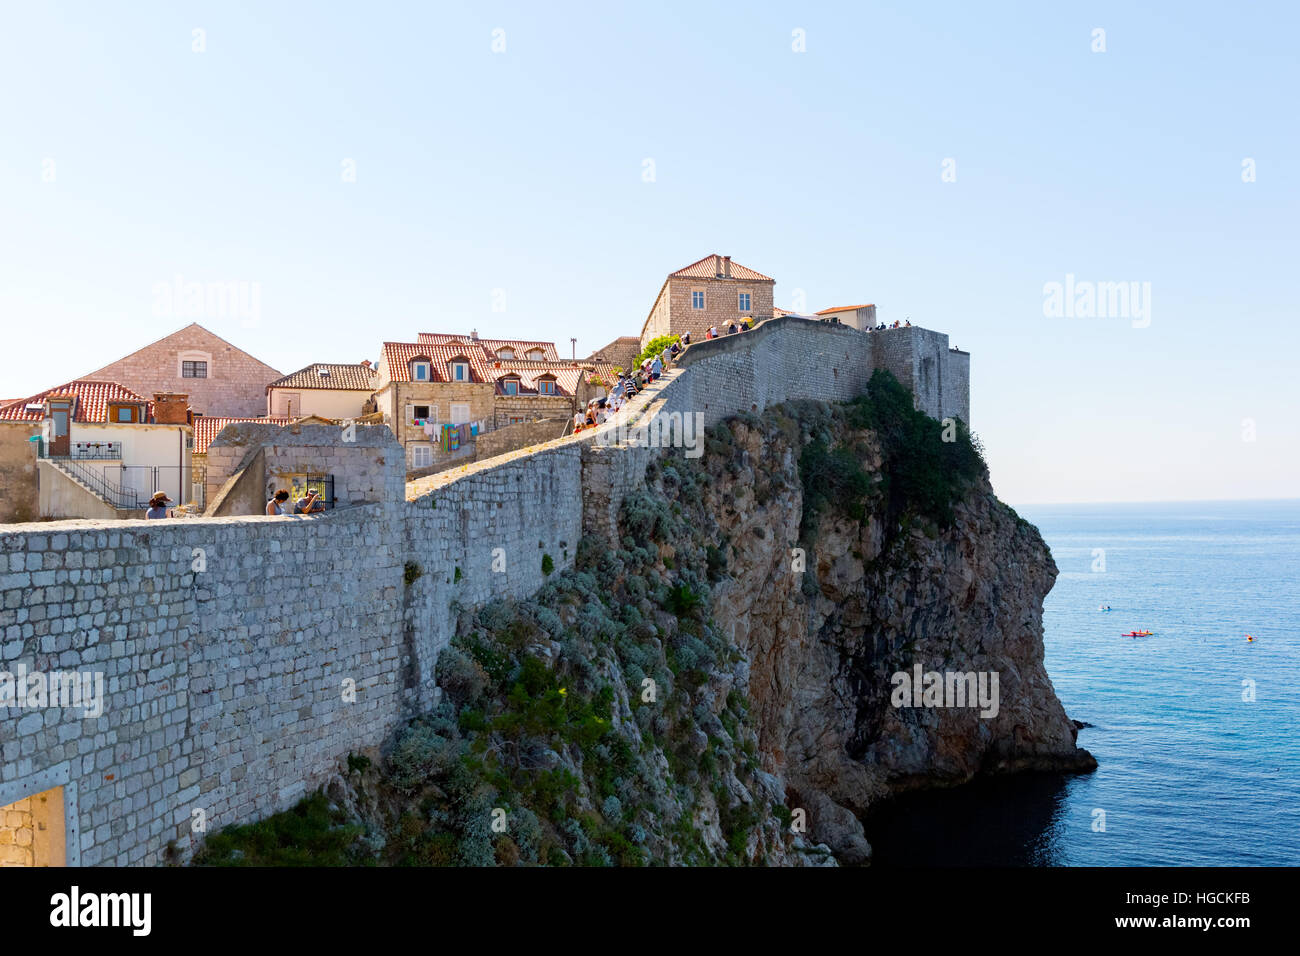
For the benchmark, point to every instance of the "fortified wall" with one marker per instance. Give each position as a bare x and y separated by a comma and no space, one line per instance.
243,658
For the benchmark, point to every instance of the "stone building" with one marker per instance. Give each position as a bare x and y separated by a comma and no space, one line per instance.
444,379
621,353
326,390
219,378
423,385
707,293
528,391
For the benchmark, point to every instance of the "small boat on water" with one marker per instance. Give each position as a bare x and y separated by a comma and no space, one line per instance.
1138,634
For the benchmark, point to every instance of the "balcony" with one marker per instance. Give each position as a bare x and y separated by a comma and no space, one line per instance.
84,451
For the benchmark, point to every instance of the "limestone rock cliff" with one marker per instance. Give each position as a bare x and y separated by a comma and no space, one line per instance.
882,592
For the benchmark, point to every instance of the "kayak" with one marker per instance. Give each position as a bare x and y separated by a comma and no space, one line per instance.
1138,634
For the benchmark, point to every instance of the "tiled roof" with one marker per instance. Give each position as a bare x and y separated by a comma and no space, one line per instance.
399,355
846,308
566,375
490,346
91,405
207,429
361,378
710,267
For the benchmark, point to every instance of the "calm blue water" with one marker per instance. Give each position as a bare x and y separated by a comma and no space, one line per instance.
1190,774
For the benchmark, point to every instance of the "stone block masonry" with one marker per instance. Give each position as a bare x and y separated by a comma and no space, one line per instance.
244,658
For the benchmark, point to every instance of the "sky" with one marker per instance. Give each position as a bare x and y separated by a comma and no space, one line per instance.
364,172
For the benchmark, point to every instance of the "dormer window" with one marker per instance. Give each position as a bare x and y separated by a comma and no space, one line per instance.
120,414
535,355
546,386
459,369
420,368
505,354
510,386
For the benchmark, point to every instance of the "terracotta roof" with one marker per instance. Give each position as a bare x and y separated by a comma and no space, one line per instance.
846,308
207,429
399,355
567,375
490,346
359,378
91,405
710,267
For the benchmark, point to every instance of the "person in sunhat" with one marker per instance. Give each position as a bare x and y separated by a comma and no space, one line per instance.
158,506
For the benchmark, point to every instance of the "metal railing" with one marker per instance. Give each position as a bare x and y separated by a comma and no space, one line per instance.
124,499
84,451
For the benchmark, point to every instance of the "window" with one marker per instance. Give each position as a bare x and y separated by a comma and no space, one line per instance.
421,414
420,371
535,355
459,370
421,411
421,456
460,413
546,386
744,302
505,354
510,386
123,414
697,300
193,363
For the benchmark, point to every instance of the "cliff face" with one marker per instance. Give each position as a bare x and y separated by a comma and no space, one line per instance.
883,591
722,686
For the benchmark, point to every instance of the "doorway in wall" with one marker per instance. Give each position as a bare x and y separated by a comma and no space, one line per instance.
38,820
32,831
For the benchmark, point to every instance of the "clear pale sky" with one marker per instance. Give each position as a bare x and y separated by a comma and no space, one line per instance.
522,171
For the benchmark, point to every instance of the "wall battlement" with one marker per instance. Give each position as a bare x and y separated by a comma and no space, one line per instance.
244,657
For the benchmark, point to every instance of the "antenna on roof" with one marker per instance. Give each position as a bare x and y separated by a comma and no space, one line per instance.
574,343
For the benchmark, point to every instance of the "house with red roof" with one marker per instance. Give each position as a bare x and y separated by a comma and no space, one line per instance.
326,390
709,292
96,449
444,379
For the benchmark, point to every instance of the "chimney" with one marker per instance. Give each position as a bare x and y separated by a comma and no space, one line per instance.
365,363
726,267
473,334
170,408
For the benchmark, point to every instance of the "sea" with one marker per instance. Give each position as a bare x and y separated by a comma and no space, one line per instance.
1195,728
